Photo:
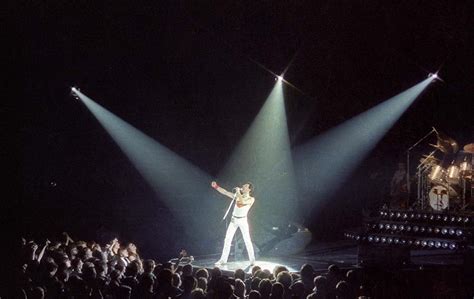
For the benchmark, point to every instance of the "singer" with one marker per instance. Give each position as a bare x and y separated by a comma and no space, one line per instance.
243,202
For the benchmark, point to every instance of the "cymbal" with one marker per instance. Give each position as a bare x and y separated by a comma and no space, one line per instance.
446,144
469,148
428,159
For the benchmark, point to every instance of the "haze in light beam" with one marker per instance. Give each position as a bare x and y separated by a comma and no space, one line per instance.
324,164
180,185
263,157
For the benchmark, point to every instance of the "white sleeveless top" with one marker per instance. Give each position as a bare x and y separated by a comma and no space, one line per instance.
242,211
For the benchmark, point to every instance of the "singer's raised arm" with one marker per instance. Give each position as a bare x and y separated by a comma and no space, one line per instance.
222,190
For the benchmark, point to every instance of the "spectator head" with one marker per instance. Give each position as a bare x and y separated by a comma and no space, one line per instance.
265,287
239,290
123,252
148,266
77,265
278,269
101,268
254,294
285,279
87,253
187,270
189,284
342,290
215,273
132,269
278,290
88,272
333,270
224,290
115,275
255,283
198,294
298,289
51,268
255,269
240,274
37,293
320,284
202,283
202,272
165,277
307,272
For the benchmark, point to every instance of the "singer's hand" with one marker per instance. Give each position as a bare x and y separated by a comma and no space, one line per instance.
213,184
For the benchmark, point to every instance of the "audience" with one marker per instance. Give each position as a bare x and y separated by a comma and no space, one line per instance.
69,269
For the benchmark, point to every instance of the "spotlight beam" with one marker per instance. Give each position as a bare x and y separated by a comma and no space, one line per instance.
263,156
326,162
178,183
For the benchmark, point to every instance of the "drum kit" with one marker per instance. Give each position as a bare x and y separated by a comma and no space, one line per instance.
446,183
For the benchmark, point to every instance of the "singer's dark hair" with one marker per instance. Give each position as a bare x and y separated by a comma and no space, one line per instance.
250,187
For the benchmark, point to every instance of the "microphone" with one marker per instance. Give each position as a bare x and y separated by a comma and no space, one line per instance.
236,189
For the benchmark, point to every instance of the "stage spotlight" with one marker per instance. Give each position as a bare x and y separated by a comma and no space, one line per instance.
415,228
444,231
387,226
376,239
74,92
383,239
389,240
422,229
437,244
445,245
324,164
466,219
280,78
381,226
401,227
452,246
431,244
452,231
370,238
394,227
436,230
424,243
459,232
408,228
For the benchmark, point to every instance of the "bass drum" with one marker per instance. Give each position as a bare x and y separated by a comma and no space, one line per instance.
440,198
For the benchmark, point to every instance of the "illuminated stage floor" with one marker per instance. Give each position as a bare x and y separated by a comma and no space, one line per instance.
342,253
320,256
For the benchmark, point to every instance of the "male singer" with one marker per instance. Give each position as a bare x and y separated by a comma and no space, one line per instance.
243,203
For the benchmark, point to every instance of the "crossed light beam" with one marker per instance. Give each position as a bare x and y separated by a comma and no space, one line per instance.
324,164
263,157
179,184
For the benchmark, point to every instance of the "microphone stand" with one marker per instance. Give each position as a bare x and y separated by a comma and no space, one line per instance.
408,161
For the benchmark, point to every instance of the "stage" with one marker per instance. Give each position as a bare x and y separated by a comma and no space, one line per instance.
343,253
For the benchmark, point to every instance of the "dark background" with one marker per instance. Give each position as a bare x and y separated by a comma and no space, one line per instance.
184,73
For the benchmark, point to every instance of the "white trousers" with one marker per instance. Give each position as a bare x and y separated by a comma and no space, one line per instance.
229,235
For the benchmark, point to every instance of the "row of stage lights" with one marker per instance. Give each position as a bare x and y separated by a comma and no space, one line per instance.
405,216
414,229
415,243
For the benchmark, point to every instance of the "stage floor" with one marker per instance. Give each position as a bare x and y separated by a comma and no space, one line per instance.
342,253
